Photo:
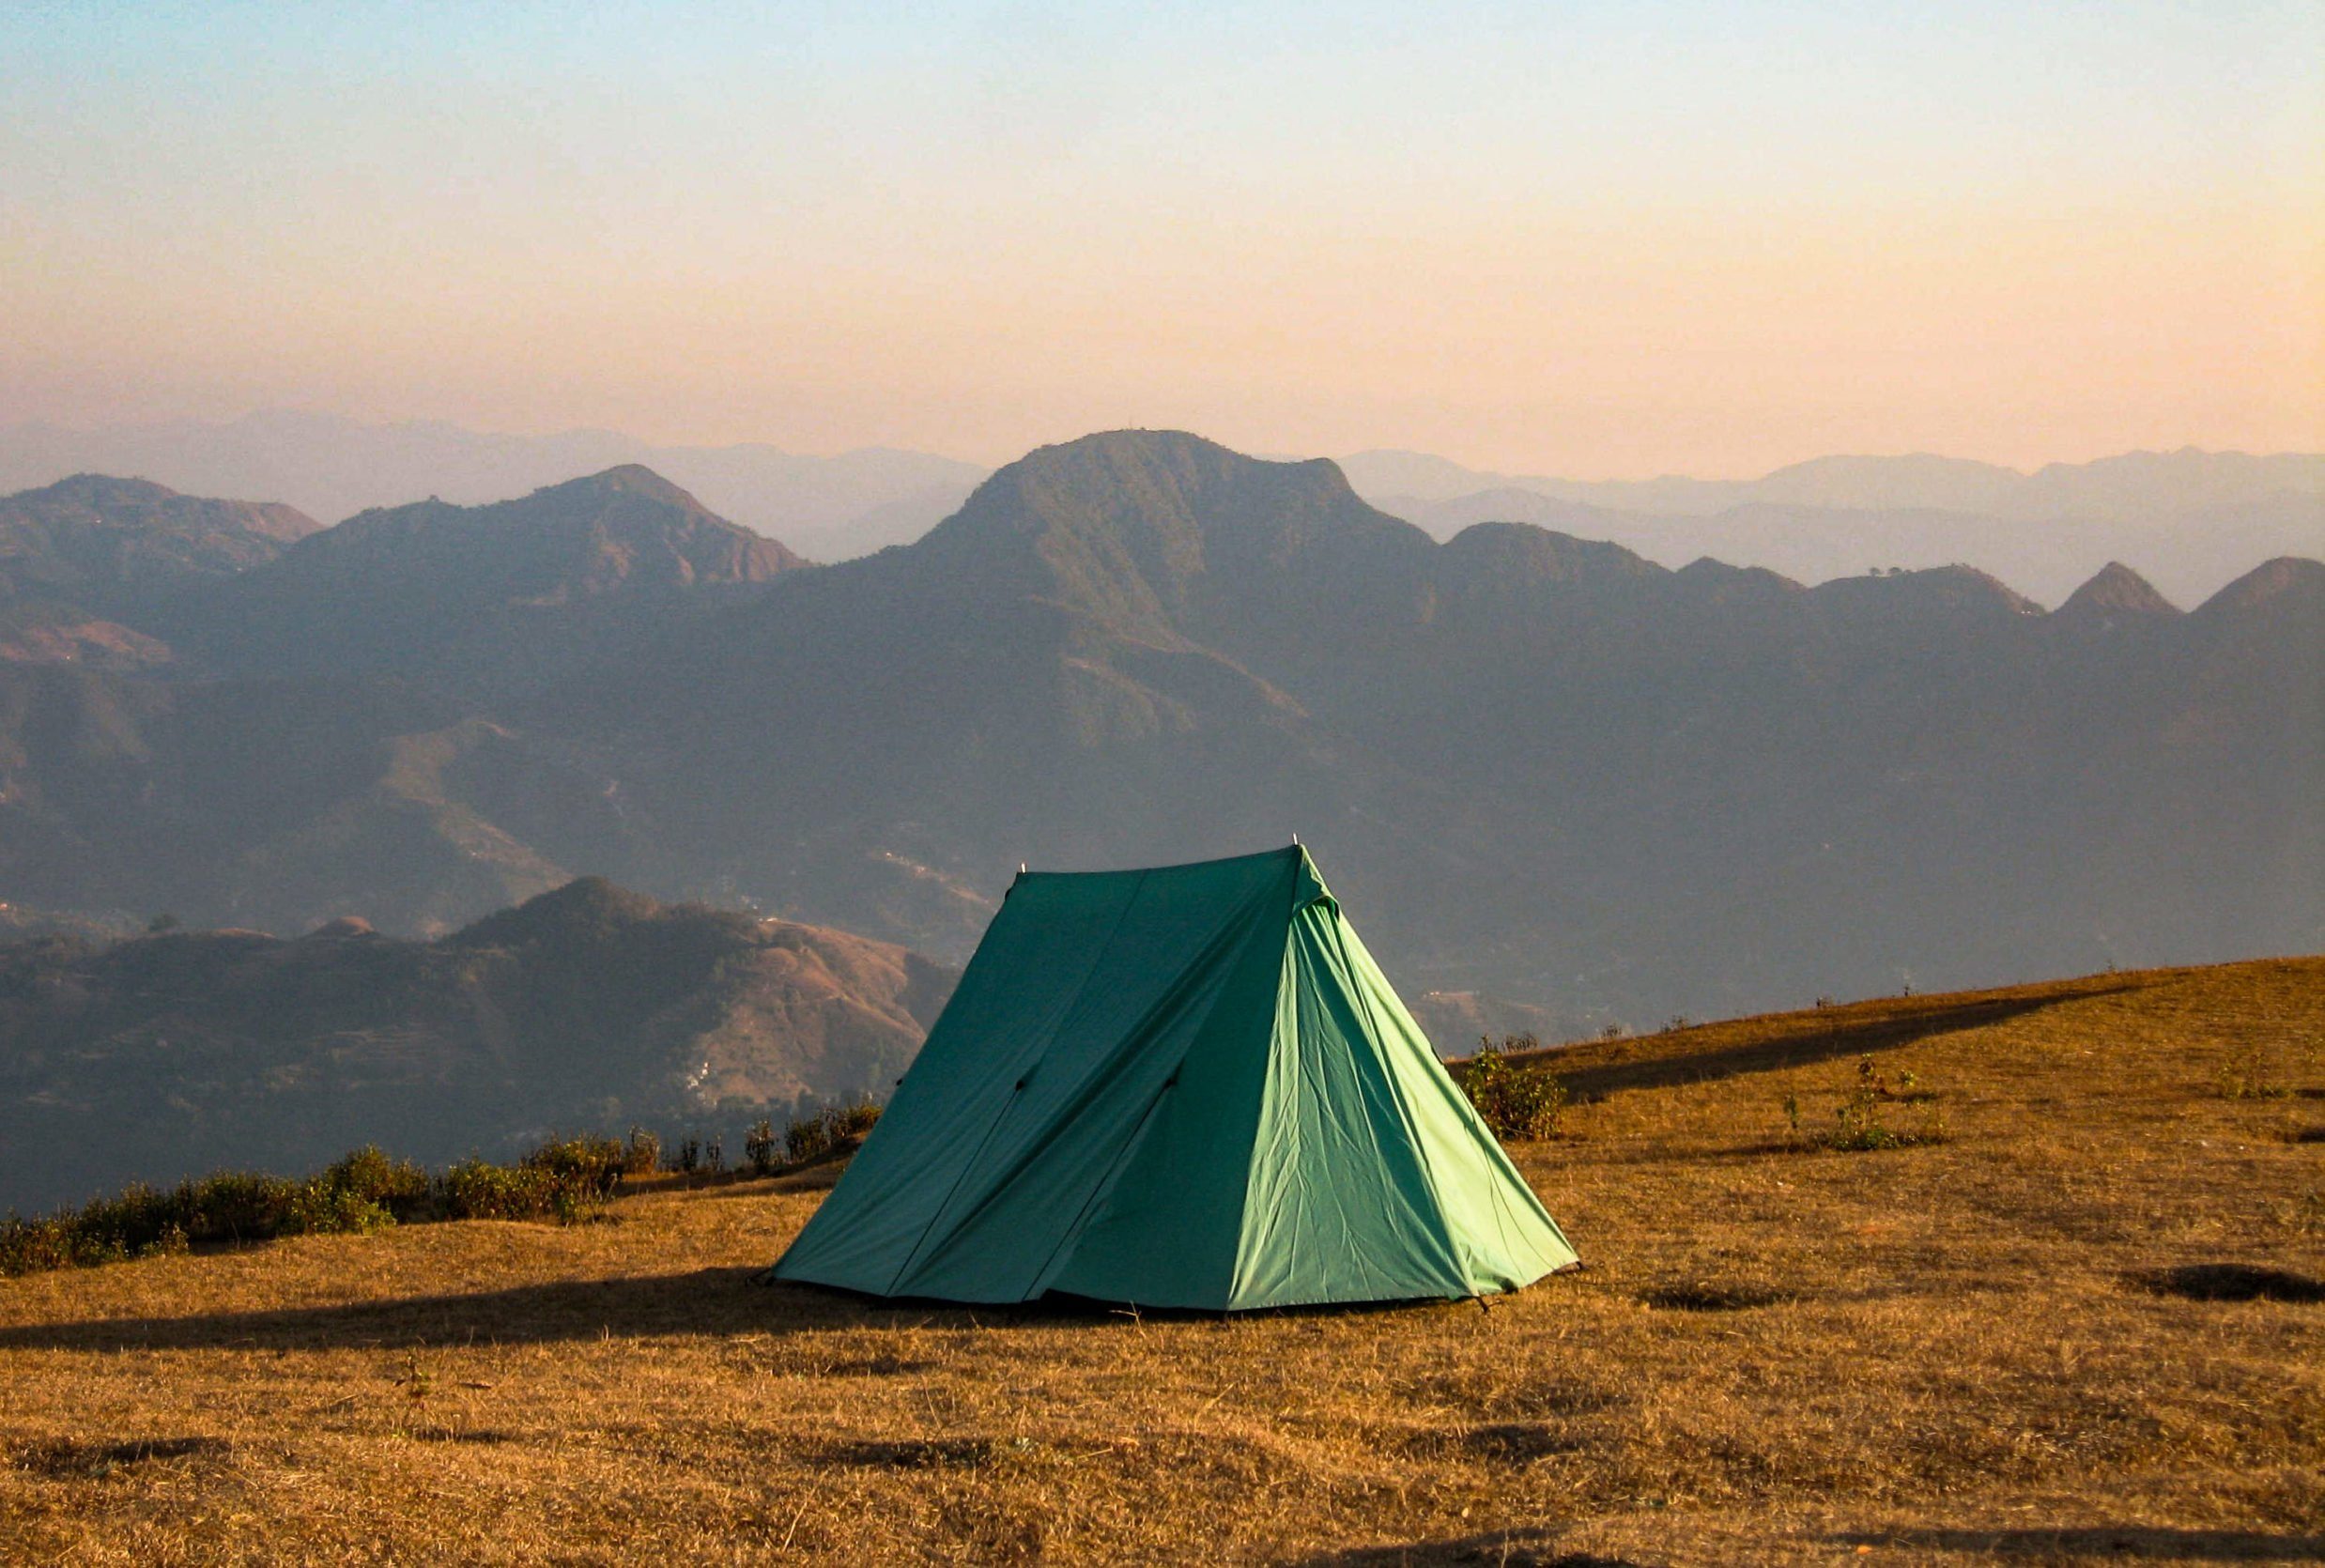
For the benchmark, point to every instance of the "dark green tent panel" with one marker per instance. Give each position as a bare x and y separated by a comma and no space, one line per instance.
1189,1087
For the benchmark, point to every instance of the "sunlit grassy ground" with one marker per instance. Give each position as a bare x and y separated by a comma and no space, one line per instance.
1958,1353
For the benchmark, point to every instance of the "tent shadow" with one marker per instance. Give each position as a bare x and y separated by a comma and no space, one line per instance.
1811,1044
706,1303
2134,1542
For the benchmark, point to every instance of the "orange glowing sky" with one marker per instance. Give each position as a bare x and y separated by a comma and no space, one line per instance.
1594,240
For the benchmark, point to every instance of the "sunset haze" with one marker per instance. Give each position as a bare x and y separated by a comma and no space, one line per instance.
1599,240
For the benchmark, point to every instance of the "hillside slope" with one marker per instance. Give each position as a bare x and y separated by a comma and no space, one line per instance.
2032,1341
587,1008
88,563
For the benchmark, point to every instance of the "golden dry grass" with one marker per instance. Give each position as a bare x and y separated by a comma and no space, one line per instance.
1961,1353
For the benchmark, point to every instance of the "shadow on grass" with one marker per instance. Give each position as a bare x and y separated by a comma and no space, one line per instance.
1810,1044
2230,1282
2131,1543
708,1303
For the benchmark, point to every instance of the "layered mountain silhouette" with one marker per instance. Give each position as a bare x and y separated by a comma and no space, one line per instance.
329,467
587,1008
1547,771
2192,519
2160,484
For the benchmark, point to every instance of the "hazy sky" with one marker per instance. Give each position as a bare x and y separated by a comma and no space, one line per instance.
1595,240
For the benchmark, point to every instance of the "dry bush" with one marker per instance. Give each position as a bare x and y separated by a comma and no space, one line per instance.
835,1127
1517,1103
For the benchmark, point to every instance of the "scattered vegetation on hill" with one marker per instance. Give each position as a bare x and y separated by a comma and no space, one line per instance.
564,1180
367,1190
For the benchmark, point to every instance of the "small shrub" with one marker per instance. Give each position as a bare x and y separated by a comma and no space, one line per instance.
1859,1124
689,1154
319,1210
811,1137
1516,1103
589,1166
806,1138
479,1190
398,1186
644,1155
762,1148
172,1242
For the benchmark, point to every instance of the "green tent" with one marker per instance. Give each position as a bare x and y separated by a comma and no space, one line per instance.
1181,1087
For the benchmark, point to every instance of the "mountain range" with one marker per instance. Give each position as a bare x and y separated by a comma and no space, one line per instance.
588,1007
1545,772
2160,483
331,468
2190,520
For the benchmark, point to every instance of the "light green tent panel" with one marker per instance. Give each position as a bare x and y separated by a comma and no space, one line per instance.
1189,1087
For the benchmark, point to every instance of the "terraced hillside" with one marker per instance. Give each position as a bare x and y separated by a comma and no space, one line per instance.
2084,1326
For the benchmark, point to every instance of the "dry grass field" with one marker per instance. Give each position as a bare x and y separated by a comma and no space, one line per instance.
2052,1337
